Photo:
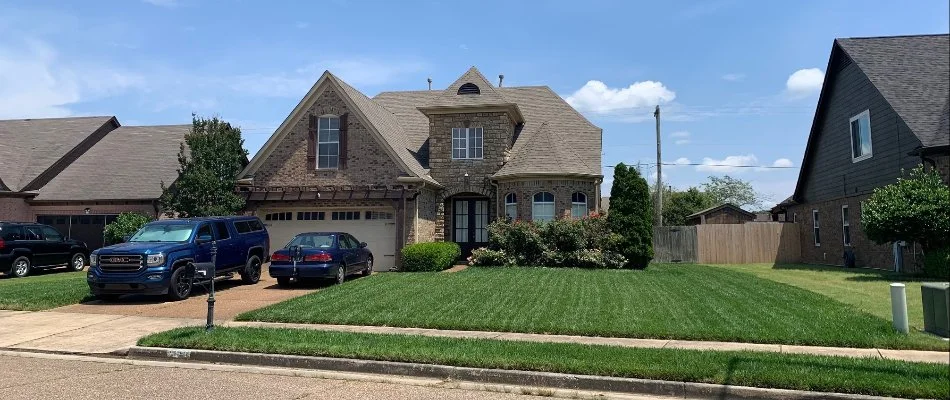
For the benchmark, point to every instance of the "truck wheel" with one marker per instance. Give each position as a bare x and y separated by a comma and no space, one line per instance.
181,284
283,281
21,267
77,262
251,273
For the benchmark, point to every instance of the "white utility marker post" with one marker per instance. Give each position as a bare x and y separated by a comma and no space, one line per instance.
899,307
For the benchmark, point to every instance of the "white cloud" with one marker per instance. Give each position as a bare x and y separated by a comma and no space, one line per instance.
596,97
782,163
163,3
804,82
680,134
733,77
680,142
682,161
728,164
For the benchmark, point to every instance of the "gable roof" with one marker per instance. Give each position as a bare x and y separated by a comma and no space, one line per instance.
30,147
147,155
450,97
720,207
910,72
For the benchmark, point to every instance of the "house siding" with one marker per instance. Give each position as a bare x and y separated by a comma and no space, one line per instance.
367,162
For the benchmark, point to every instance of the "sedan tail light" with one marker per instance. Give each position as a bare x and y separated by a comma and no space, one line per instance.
279,257
2,244
322,257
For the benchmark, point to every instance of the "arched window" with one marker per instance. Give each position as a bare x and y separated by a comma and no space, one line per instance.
511,206
578,205
469,88
328,142
542,209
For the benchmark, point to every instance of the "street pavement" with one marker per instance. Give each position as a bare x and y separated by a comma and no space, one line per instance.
48,376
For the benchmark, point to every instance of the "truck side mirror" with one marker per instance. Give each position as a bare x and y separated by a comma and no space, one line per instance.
204,238
126,238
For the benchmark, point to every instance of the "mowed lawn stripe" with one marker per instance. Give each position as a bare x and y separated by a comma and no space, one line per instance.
688,302
872,376
43,291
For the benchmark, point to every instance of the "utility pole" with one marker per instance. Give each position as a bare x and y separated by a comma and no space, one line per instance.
659,172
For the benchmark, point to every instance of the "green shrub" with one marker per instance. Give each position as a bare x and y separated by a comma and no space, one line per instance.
631,216
566,243
483,257
435,256
125,224
564,235
937,263
521,240
916,208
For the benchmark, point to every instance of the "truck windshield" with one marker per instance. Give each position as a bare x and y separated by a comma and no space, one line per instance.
163,233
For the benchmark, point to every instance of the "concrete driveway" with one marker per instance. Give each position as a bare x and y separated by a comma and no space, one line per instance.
231,298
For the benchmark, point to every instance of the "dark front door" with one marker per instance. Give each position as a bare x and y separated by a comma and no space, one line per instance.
470,224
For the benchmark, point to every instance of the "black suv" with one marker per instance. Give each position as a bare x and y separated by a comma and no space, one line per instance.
27,246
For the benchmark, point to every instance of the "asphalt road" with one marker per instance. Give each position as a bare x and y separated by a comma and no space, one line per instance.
39,378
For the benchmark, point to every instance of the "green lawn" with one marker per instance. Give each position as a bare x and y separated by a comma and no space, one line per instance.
665,301
789,371
864,289
46,290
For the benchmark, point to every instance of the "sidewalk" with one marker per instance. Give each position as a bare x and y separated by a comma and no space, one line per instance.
102,333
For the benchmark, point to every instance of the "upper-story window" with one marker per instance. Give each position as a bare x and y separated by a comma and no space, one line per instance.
466,143
328,142
511,206
578,205
542,209
860,136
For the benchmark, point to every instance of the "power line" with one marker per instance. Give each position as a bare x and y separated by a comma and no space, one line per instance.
651,165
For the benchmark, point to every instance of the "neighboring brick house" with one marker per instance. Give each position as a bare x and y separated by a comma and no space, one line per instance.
77,174
419,166
722,214
883,110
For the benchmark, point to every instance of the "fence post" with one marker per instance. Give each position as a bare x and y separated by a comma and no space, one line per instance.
899,307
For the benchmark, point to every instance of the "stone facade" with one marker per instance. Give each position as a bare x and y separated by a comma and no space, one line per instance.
497,136
421,217
867,254
942,165
562,189
367,163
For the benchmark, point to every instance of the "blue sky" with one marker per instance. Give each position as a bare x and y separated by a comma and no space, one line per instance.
737,80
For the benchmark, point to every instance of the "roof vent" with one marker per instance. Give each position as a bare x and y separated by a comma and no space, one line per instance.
469,88
501,78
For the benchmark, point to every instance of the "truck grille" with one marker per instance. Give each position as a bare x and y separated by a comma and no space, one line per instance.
120,263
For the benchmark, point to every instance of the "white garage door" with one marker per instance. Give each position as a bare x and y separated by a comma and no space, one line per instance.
375,227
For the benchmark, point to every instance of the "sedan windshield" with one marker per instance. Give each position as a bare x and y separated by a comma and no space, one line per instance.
163,233
312,241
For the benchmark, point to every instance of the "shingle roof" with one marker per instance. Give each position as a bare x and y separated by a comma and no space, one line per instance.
719,207
450,97
28,147
143,156
913,75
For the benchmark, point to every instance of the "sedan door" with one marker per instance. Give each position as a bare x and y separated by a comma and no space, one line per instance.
348,249
361,253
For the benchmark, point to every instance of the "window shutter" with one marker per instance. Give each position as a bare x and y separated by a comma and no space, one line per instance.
343,141
312,144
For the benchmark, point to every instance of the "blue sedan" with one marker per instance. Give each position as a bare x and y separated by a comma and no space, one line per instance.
321,255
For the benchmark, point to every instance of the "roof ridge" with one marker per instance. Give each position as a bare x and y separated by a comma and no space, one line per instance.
57,118
893,36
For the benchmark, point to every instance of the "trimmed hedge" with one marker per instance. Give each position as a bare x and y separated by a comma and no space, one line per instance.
435,256
563,243
937,263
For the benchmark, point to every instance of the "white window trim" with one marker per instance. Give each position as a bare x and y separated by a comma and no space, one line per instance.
318,143
510,204
467,135
815,227
535,204
863,157
845,222
575,204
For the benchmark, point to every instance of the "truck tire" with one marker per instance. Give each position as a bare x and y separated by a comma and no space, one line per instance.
251,273
21,267
180,285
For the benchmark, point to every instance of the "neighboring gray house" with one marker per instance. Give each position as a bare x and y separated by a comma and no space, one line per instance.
883,109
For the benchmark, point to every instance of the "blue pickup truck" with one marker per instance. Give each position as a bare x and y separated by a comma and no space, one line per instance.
159,259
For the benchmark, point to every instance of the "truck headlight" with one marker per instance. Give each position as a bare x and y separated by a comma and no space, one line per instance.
93,259
154,260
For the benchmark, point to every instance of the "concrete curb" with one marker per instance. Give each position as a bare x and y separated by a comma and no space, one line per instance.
493,376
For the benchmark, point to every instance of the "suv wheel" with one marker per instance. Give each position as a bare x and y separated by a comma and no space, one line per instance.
21,266
252,271
78,262
181,284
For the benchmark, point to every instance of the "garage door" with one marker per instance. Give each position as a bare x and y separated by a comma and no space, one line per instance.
375,227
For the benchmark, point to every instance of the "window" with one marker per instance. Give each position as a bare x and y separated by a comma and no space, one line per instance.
222,231
578,205
255,225
204,231
379,215
10,233
346,242
860,137
845,225
242,227
466,143
345,215
511,206
328,142
311,215
281,216
814,217
543,207
32,233
52,235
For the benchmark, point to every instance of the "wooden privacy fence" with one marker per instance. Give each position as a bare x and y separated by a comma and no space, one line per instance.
756,242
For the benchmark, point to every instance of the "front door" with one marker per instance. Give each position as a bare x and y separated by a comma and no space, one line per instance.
470,224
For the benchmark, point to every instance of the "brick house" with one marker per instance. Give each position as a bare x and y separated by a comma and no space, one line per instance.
77,174
722,214
419,166
876,118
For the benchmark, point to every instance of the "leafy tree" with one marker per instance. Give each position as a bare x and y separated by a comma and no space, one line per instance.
124,225
631,216
678,205
915,209
209,161
726,189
